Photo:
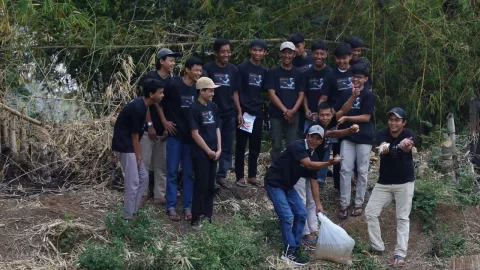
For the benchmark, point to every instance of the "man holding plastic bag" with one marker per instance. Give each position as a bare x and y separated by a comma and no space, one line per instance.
296,161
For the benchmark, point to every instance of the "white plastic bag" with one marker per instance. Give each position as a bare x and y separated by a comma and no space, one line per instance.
334,244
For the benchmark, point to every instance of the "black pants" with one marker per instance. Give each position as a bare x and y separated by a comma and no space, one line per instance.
204,172
254,140
336,168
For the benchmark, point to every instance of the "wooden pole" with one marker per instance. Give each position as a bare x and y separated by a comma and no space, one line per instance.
54,154
4,131
451,130
23,141
21,115
13,135
475,134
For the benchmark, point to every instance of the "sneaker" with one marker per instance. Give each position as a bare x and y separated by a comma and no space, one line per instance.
294,259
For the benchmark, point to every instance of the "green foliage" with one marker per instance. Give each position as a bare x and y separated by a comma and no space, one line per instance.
446,243
467,188
425,202
361,258
103,257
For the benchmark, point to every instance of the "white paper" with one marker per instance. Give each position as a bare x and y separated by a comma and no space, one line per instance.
248,121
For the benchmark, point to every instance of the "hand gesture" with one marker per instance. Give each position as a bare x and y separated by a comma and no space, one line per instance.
139,160
333,161
383,148
319,208
356,92
152,134
217,154
211,154
308,114
354,128
342,120
170,127
289,113
239,120
406,143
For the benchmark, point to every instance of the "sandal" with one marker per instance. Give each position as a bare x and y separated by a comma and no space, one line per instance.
173,216
241,182
343,214
398,260
355,211
187,214
223,183
254,182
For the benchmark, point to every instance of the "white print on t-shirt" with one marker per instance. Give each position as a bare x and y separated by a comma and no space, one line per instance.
305,68
356,105
287,83
255,79
221,79
344,84
187,101
316,84
207,117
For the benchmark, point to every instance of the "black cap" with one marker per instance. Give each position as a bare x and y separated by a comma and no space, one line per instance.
296,38
355,42
398,112
259,43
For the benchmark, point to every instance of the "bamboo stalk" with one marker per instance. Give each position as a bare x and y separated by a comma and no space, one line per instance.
4,132
21,115
54,154
13,136
23,140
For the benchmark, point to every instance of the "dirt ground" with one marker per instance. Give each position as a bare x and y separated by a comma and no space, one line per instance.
27,225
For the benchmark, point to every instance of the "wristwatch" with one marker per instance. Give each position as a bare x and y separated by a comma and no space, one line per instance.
149,124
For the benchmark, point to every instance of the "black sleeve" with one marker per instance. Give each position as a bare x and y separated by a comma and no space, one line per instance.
270,80
381,137
298,151
194,118
315,157
368,104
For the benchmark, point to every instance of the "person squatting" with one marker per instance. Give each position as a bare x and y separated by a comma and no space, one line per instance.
192,121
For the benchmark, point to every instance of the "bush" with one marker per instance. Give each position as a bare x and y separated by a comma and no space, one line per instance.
425,202
467,189
447,244
361,258
103,257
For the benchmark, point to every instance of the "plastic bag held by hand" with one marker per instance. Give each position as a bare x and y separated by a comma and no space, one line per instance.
334,244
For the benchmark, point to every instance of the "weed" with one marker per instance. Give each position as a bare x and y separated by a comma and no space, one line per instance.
103,257
447,244
425,202
361,258
467,189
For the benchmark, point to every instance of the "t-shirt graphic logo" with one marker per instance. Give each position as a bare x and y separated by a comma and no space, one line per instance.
221,79
344,84
316,84
207,117
287,83
255,79
356,105
187,101
305,68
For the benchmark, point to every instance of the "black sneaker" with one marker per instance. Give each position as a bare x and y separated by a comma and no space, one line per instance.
294,259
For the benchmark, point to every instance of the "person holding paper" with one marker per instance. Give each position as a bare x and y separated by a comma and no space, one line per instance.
249,103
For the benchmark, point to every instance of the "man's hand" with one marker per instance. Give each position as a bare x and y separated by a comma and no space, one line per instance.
152,134
354,128
217,154
406,143
342,120
139,160
319,208
211,154
289,113
170,127
355,92
308,114
383,148
333,161
239,120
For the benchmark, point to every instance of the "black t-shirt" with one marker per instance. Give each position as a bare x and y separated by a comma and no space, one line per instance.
225,77
287,169
311,83
130,120
335,83
157,123
205,119
286,84
320,150
178,97
396,167
364,104
303,63
250,82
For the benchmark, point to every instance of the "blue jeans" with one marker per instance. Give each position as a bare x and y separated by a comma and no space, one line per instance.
227,132
292,214
179,152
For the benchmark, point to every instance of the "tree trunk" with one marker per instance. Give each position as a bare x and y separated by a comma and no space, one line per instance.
13,135
475,133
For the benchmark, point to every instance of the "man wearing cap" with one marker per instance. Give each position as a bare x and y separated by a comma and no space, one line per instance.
396,181
180,94
249,103
153,145
224,74
206,150
296,161
283,84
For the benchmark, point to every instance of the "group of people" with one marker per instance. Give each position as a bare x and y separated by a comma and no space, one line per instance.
192,121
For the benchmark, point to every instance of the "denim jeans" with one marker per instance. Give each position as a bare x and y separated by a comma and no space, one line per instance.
227,124
292,214
179,152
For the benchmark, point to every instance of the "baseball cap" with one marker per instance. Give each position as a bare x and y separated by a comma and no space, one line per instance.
296,38
167,52
398,112
259,43
205,82
316,129
287,45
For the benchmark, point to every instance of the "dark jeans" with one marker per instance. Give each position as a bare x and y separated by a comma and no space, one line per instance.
282,129
336,168
292,214
204,170
227,132
254,140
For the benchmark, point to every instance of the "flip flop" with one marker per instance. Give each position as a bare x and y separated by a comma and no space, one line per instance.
355,211
343,214
398,260
222,182
255,183
241,182
187,217
173,217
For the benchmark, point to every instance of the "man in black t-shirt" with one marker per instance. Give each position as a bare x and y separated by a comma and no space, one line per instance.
396,181
224,74
127,132
283,84
357,47
154,145
180,94
296,161
248,101
355,108
206,150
